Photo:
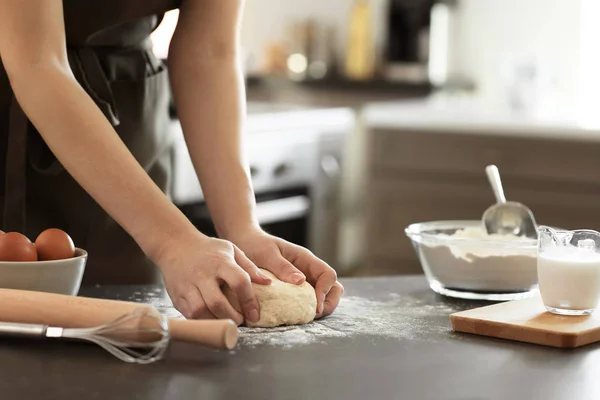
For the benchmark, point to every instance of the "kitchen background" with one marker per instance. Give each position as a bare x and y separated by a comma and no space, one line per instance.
367,115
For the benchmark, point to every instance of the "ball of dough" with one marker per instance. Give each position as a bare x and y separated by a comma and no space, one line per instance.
281,303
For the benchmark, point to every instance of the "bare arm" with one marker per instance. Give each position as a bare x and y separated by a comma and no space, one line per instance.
209,93
33,51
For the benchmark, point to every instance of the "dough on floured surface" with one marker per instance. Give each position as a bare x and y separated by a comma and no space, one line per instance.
281,303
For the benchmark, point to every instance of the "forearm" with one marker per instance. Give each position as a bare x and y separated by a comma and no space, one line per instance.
209,94
88,147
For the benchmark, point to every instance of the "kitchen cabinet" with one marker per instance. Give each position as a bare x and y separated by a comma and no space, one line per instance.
427,171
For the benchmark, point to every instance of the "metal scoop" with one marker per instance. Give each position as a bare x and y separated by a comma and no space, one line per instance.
507,217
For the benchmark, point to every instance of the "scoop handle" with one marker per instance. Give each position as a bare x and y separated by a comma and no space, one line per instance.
493,176
29,307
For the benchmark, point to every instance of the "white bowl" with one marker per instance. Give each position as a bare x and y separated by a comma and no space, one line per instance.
474,268
56,276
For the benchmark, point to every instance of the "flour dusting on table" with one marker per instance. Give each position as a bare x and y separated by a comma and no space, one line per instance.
159,300
396,317
393,316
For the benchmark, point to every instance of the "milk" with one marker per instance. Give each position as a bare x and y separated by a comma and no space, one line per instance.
569,278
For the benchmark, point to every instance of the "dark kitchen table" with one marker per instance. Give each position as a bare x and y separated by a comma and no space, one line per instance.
390,340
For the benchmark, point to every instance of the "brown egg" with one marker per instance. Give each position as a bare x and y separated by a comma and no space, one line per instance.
16,247
54,244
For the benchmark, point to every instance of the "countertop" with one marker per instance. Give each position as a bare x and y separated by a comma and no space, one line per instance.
468,115
389,339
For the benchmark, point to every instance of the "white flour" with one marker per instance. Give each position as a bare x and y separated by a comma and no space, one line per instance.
470,251
394,317
480,266
159,300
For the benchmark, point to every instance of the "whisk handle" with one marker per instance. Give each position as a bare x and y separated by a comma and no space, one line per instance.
220,334
16,329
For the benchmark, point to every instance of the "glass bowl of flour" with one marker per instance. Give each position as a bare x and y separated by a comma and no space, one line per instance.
461,260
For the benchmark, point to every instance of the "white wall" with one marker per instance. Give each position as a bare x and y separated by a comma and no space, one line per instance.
496,34
589,68
491,35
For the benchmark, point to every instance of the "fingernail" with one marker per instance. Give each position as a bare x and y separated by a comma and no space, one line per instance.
320,308
297,277
253,315
264,276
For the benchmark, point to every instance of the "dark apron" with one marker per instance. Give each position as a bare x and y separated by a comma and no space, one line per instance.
110,54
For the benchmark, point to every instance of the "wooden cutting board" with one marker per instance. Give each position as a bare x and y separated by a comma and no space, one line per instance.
528,321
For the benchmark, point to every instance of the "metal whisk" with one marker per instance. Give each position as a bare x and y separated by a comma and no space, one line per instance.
140,336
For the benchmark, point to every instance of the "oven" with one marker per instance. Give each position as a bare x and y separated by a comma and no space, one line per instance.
284,213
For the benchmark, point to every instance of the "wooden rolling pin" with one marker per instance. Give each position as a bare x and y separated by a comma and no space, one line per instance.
64,311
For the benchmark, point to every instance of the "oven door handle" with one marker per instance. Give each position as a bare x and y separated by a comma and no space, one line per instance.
283,209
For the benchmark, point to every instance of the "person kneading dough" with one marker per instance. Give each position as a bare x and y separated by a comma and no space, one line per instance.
85,138
280,303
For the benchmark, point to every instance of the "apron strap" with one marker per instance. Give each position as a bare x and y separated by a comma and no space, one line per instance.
16,166
88,72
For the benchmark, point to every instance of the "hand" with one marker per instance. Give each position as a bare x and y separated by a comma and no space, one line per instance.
194,269
292,264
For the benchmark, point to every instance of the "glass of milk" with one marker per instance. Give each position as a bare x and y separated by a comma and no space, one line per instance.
568,267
